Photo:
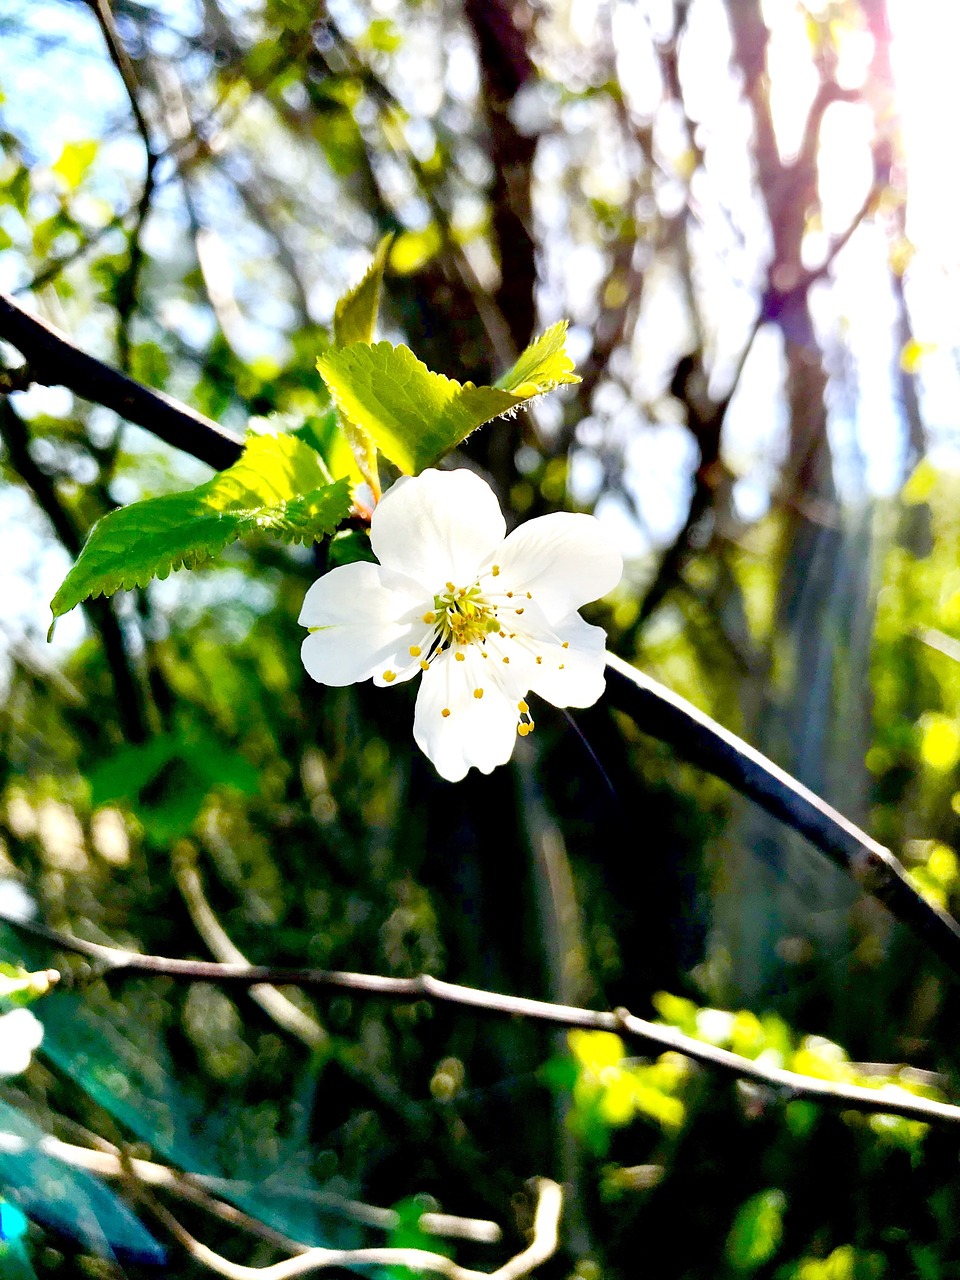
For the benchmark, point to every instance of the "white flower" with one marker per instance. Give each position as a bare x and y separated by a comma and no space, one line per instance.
20,1033
485,618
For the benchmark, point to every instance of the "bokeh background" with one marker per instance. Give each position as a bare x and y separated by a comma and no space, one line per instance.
747,211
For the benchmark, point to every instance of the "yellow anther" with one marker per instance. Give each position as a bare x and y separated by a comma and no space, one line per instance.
484,654
496,571
460,657
445,712
560,668
415,651
451,587
389,675
506,659
565,645
529,596
429,617
424,665
519,611
524,729
509,595
522,708
502,635
539,660
478,693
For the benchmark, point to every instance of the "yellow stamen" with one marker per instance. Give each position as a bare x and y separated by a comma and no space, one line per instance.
519,611
389,675
522,708
460,657
478,693
509,595
451,587
445,712
496,571
529,596
506,659
429,617
415,651
424,665
524,729
565,645
560,668
539,660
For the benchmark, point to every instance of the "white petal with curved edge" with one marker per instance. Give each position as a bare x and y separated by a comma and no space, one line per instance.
479,732
564,560
367,620
437,527
571,677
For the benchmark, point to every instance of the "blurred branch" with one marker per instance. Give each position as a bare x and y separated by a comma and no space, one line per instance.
542,1246
130,702
197,1188
787,1084
278,1007
55,361
663,714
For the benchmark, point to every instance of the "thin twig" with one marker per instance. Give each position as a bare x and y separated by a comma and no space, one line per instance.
542,1246
665,715
787,1084
55,361
127,282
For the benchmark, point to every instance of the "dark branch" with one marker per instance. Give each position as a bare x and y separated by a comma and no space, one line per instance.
55,361
112,961
130,701
667,716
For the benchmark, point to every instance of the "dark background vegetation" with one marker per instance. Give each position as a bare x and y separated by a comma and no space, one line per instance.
534,161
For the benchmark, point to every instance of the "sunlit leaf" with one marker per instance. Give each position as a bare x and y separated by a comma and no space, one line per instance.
74,161
279,486
415,416
355,315
412,249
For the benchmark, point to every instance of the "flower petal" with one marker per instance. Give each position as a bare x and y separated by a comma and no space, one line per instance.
573,659
367,619
477,732
437,527
563,560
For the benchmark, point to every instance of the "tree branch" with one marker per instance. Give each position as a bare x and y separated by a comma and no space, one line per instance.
201,1189
129,691
665,715
55,361
787,1084
542,1246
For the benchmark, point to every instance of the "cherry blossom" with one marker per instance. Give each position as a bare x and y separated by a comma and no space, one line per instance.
484,618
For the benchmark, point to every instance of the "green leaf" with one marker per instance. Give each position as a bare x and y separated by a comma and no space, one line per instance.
166,780
279,486
415,416
355,315
542,367
755,1235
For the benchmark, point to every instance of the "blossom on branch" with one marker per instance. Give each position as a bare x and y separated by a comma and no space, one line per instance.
485,618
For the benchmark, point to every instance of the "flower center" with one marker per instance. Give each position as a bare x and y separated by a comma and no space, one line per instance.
463,616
